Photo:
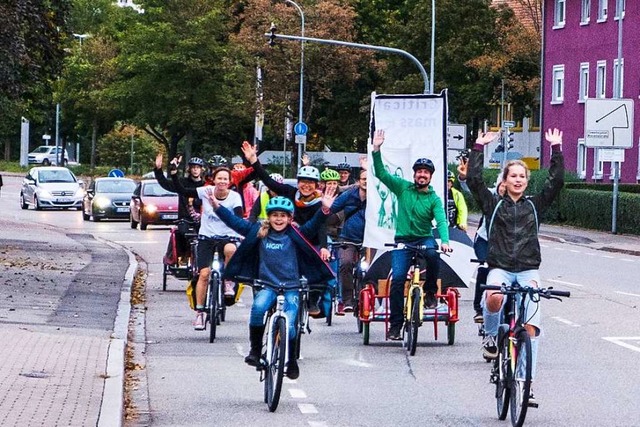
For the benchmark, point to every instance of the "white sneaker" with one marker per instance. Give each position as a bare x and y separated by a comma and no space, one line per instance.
198,324
229,289
489,347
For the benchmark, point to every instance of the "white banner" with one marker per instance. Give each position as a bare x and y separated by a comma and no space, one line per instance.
415,126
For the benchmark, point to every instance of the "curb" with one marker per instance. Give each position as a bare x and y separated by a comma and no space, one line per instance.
112,407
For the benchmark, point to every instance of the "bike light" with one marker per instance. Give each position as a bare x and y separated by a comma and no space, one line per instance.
150,209
102,202
364,265
215,265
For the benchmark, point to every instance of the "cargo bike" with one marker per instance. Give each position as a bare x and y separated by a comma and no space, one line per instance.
374,305
182,266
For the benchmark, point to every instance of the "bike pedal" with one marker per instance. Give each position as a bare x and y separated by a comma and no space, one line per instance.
532,404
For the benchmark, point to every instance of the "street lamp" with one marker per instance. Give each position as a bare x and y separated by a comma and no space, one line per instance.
294,4
433,45
81,37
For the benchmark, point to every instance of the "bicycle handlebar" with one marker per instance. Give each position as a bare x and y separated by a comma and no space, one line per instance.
414,248
258,283
343,243
510,289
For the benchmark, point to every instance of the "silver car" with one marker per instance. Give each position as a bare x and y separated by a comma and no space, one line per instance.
51,187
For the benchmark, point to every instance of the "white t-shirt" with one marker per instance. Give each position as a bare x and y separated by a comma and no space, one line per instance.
210,224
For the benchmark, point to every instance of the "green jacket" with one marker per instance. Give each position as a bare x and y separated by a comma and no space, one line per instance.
416,209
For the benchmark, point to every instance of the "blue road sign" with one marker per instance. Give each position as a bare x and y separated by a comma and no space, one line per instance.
301,128
116,173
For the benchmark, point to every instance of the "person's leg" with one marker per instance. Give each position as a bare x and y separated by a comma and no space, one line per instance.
205,256
400,263
262,301
291,305
481,248
492,303
229,286
347,256
532,314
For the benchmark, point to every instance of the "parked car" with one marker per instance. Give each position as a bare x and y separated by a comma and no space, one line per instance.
152,204
51,187
108,198
45,155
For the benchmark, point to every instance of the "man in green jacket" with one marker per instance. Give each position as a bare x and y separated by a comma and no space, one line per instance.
418,206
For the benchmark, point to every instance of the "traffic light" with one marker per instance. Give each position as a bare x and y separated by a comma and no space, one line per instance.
272,37
509,139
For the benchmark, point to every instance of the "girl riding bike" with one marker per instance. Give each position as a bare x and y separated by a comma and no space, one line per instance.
512,231
276,251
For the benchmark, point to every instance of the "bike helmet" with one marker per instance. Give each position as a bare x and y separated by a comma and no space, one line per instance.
308,172
277,178
217,161
343,167
329,175
451,176
196,161
281,204
424,163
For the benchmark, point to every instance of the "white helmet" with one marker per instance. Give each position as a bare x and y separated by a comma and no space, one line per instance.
277,178
308,172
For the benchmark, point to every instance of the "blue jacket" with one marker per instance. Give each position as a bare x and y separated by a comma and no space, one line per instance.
354,213
245,261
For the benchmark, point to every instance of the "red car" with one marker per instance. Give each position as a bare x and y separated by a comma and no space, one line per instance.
152,204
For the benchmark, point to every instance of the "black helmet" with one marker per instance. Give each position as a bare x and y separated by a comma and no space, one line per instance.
343,167
424,163
216,161
196,161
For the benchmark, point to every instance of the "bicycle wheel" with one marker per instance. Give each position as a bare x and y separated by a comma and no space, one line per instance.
214,285
504,377
521,384
413,323
275,369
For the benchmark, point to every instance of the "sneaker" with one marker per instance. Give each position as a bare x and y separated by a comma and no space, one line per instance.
293,371
340,309
394,333
430,300
533,403
478,318
314,309
348,309
489,348
229,289
252,359
198,324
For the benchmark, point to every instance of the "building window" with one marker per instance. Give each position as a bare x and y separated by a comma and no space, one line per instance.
584,82
619,3
582,159
557,96
602,10
601,79
598,166
585,13
559,14
618,73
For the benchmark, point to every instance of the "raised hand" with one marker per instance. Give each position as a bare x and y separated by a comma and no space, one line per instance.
553,136
306,160
378,139
159,161
211,197
327,198
485,138
462,168
250,152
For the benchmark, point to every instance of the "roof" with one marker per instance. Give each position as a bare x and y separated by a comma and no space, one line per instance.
527,15
331,158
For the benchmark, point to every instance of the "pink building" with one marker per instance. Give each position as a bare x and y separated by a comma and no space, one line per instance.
580,61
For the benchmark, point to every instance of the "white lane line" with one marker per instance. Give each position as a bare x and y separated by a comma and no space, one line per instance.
620,341
565,283
289,381
607,256
297,393
240,350
627,293
318,424
358,363
558,249
566,322
307,408
574,251
149,242
627,260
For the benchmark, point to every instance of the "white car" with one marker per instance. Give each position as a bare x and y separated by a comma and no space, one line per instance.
45,155
51,187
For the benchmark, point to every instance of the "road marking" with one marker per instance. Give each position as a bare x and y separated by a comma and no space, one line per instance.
358,363
574,251
566,322
607,256
627,260
620,341
297,393
627,293
239,349
565,283
318,423
307,408
150,242
289,381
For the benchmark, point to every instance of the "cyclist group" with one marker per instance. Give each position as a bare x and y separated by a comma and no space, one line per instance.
286,234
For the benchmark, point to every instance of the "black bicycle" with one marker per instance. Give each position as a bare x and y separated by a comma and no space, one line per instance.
511,372
360,267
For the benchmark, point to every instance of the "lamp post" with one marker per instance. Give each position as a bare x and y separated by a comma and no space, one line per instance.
294,4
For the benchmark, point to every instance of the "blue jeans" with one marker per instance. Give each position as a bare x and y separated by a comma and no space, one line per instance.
532,309
400,263
265,299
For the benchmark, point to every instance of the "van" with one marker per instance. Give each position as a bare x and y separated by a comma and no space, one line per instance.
45,155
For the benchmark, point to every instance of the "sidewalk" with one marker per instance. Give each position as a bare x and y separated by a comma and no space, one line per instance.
62,353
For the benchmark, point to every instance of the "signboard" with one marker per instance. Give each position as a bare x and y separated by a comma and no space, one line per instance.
608,123
301,139
611,155
456,136
508,124
116,173
301,128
